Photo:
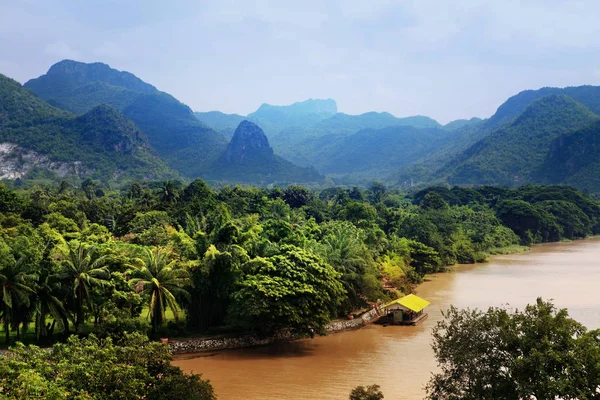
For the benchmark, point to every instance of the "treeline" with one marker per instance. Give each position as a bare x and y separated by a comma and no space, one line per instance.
193,259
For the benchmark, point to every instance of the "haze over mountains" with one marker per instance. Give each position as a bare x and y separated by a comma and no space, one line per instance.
92,120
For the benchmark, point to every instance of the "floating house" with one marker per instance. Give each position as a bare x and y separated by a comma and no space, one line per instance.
407,310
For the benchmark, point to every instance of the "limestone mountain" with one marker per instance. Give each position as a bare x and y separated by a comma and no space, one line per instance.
303,131
172,130
101,143
248,145
250,158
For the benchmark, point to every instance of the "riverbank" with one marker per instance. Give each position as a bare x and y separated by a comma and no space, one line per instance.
324,367
215,343
197,345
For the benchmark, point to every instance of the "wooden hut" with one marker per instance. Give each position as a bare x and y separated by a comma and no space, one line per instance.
407,310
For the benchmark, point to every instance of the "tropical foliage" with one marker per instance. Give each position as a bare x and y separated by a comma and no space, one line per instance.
538,352
93,368
165,259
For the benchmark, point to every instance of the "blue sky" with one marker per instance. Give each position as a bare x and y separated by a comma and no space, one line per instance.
445,59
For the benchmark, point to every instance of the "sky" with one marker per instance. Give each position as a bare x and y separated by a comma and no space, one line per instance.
440,58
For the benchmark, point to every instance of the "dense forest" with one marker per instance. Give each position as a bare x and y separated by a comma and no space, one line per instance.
162,258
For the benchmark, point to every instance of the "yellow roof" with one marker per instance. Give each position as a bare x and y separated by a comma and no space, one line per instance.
412,302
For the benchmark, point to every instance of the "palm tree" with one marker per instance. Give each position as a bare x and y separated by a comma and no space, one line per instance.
84,269
48,304
168,192
16,285
343,249
157,276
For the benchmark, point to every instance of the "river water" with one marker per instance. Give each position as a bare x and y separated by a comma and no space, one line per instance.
400,358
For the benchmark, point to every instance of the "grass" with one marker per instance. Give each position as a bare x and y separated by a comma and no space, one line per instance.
515,248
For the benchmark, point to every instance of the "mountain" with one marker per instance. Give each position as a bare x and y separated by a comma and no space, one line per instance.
510,155
371,153
101,144
374,120
574,159
587,95
461,123
303,112
223,123
250,158
313,133
172,130
458,140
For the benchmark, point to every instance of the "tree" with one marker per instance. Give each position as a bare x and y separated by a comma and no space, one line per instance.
47,303
169,192
502,354
371,392
83,270
293,290
296,196
157,276
92,368
16,287
343,248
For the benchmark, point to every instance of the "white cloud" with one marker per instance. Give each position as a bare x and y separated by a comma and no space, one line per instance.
61,50
112,50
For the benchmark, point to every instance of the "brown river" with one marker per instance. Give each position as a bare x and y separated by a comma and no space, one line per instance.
400,358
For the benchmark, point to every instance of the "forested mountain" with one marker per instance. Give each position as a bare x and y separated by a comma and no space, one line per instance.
304,112
574,160
371,153
526,140
102,143
185,144
250,158
423,169
462,123
313,133
587,95
510,155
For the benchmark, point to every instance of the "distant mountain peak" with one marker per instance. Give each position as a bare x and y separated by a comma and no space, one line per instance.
72,72
249,142
310,106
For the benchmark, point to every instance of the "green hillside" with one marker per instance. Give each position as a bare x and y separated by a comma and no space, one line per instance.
509,155
371,153
180,139
574,160
101,143
587,95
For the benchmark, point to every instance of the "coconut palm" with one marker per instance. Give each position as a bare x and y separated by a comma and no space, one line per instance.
343,249
16,286
169,193
83,270
47,303
159,278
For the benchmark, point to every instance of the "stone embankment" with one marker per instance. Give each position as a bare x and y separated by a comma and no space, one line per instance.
211,344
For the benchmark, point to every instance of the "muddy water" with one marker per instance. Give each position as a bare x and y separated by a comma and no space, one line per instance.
400,359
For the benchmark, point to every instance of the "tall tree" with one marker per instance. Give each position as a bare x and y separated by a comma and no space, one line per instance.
160,278
83,269
16,285
47,303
